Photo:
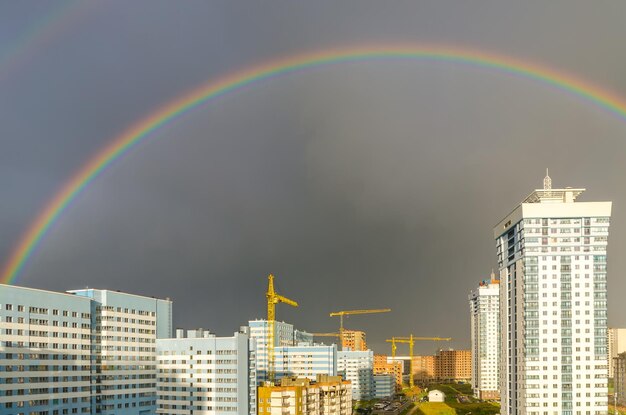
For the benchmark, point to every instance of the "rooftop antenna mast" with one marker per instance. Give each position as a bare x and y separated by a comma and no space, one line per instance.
547,184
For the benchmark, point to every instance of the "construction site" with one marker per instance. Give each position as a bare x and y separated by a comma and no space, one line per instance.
372,375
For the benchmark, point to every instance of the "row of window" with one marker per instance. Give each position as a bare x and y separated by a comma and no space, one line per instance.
42,356
42,333
126,310
43,345
44,322
126,320
39,310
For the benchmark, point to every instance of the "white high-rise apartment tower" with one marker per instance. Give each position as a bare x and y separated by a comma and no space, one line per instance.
485,338
552,263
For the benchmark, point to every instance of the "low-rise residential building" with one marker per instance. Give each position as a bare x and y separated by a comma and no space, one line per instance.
436,396
335,395
327,395
357,367
203,374
289,396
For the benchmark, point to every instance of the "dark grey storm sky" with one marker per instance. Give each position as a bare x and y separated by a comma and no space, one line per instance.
359,185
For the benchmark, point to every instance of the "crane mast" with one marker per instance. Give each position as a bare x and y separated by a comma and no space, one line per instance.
411,341
272,299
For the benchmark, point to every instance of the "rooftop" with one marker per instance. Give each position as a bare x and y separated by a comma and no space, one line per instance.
550,195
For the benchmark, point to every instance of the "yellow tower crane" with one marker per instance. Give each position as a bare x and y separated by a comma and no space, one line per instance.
325,334
343,313
272,299
411,341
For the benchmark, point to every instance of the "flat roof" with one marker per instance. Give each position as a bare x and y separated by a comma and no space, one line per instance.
66,293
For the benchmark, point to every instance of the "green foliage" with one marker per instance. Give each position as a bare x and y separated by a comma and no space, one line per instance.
455,408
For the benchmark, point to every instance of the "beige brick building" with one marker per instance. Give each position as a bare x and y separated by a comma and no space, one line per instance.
353,340
424,367
453,365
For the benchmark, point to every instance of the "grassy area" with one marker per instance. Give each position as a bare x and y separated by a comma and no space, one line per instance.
621,410
452,406
455,408
452,389
407,409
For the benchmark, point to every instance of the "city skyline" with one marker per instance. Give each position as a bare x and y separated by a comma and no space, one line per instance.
360,185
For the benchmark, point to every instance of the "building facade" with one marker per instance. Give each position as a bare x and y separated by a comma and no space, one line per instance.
358,368
485,339
45,347
284,336
424,368
289,396
383,365
203,374
453,365
619,378
335,395
87,351
384,386
302,338
551,253
617,345
306,361
124,349
327,395
353,340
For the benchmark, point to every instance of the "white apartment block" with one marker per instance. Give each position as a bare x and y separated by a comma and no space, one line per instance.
485,339
124,349
45,352
302,338
284,336
306,361
204,374
552,263
89,351
358,368
617,345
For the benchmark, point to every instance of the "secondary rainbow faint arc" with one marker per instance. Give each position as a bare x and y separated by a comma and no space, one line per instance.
141,130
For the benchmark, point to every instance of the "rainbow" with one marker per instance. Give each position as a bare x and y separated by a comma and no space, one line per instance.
143,129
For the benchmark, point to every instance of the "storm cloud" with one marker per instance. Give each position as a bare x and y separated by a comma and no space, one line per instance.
359,185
